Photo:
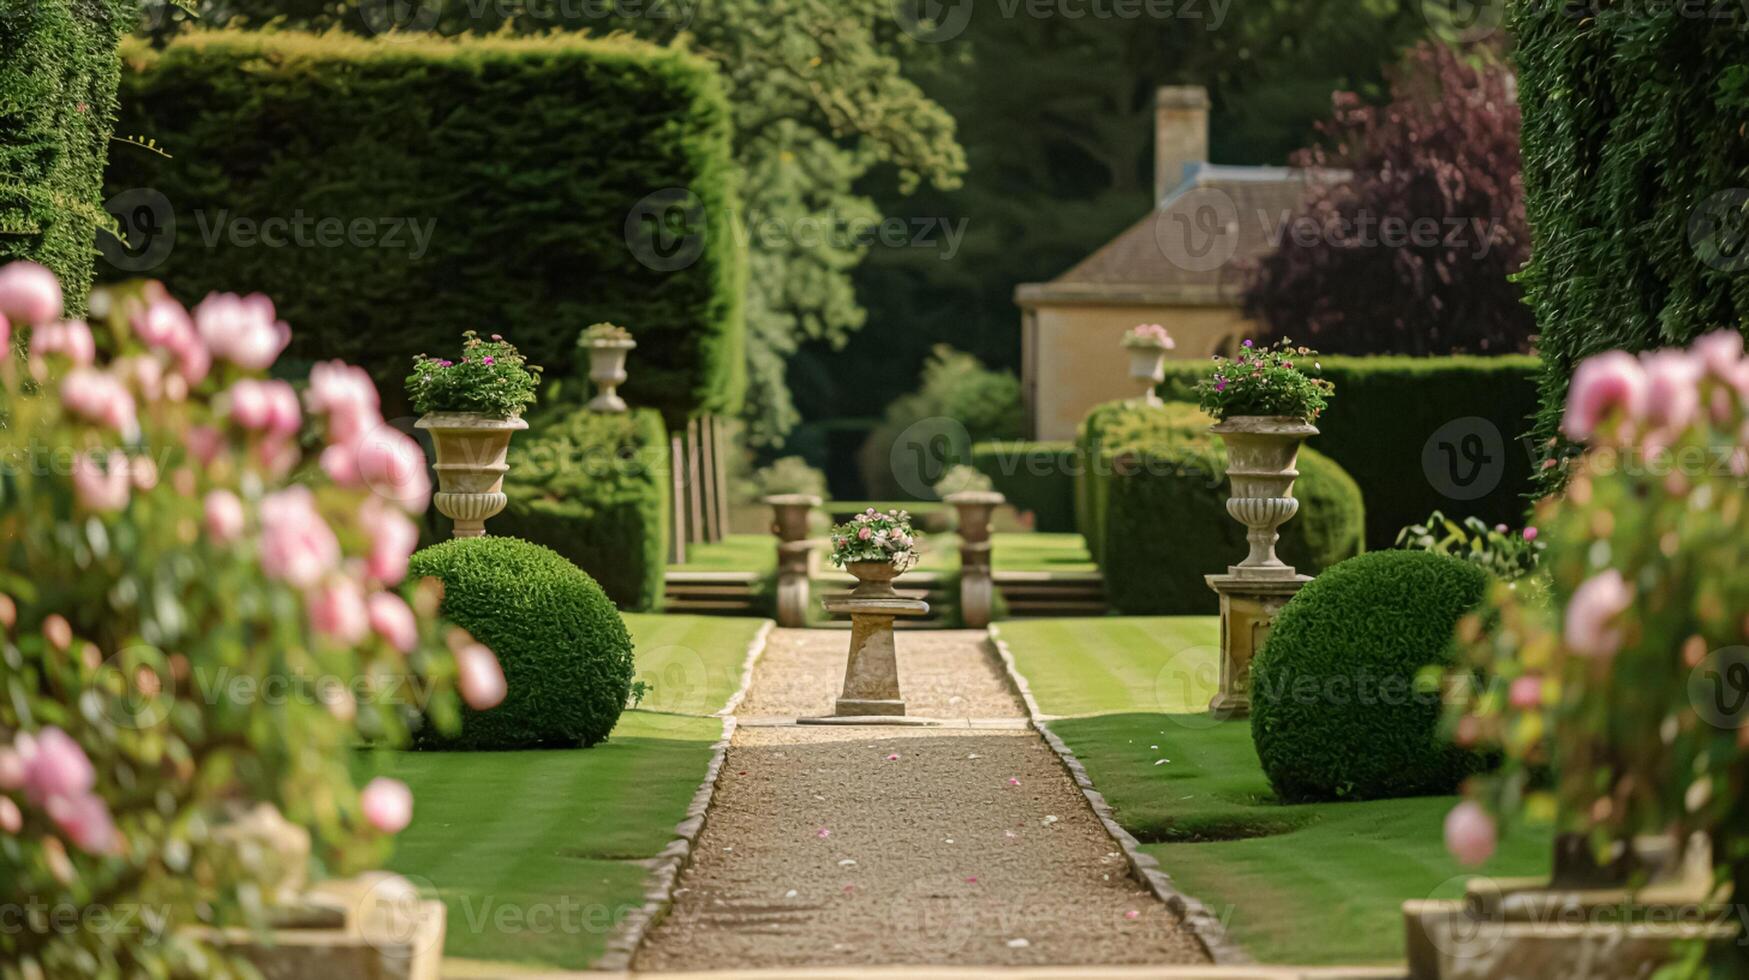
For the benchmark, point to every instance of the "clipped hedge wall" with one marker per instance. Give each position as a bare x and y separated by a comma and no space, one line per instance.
1155,495
596,489
1391,418
57,111
1034,476
1634,173
497,184
566,655
1337,710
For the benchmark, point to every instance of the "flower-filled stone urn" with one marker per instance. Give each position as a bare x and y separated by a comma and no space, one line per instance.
471,408
1147,344
607,347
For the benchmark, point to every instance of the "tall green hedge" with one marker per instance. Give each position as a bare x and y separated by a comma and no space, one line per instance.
531,164
1154,496
1421,434
1036,477
596,489
58,76
1636,177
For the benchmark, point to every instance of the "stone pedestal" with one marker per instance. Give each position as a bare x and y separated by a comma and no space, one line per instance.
1248,609
871,674
790,513
977,586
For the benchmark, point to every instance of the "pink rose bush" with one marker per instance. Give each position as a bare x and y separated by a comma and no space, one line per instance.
184,534
1631,683
874,536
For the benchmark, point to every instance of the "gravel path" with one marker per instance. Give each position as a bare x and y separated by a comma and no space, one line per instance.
972,847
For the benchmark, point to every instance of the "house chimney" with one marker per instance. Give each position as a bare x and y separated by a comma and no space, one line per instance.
1181,134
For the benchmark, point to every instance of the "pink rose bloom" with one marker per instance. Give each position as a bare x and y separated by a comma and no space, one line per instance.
165,324
247,404
297,546
393,621
479,676
204,443
223,516
1719,352
347,396
337,611
242,329
1530,533
11,769
387,804
393,466
393,538
71,340
100,398
1469,834
143,472
11,821
86,822
1526,693
1595,604
1672,388
864,534
283,413
54,766
1612,380
29,294
193,362
101,489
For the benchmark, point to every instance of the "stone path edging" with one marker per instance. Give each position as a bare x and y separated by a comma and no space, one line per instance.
1202,922
666,867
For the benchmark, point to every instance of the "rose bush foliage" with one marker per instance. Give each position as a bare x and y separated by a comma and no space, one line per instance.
204,608
1620,706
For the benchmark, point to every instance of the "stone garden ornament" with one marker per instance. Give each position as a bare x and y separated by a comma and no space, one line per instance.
607,346
1147,344
471,407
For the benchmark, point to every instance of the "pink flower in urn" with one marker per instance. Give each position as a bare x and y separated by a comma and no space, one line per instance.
393,538
1590,628
391,619
387,804
29,294
479,676
1526,693
86,821
101,488
54,766
242,329
223,516
1608,382
1469,834
297,546
864,534
393,466
337,611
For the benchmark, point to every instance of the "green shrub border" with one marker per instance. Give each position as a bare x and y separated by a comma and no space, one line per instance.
1038,477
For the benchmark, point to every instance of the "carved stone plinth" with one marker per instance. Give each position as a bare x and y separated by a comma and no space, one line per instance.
790,512
1248,609
870,695
977,587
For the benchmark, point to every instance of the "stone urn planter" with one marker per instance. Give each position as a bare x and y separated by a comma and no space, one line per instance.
790,513
874,579
1148,367
1262,455
607,368
977,584
471,450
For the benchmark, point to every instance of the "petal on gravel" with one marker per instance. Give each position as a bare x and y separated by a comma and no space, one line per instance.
1047,821
972,880
824,833
1132,915
893,758
1013,781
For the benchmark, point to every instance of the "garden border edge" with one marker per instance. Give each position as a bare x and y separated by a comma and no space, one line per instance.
666,867
1203,923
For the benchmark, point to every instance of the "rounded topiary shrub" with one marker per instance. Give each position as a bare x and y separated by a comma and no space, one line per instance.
1336,710
566,654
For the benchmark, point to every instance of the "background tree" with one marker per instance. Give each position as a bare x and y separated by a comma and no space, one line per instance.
821,98
1413,253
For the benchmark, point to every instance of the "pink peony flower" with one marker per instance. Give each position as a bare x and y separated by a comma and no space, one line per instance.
1597,601
1526,693
165,324
54,766
392,620
270,407
337,611
347,397
101,489
393,538
71,340
11,821
102,399
11,769
86,821
1530,533
1719,352
29,294
242,329
1469,833
1608,381
479,676
223,516
393,466
387,804
297,546
204,443
1672,388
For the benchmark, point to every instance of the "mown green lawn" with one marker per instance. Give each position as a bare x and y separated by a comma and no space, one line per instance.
537,855
1015,551
1304,884
735,553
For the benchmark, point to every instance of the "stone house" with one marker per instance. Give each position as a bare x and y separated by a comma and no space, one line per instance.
1183,265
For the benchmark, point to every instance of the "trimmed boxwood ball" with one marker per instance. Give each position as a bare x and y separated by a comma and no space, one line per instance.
566,654
1335,708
